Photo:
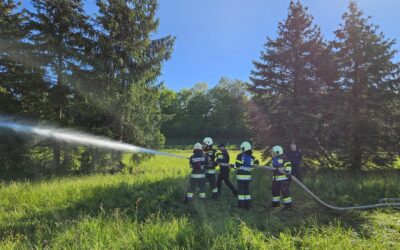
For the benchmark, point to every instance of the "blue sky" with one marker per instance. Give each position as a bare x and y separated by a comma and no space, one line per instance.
218,38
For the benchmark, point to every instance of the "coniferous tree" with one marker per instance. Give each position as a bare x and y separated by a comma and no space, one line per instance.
22,88
126,64
57,29
290,85
369,80
23,91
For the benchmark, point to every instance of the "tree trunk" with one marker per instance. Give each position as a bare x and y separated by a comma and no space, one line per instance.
56,156
57,147
356,152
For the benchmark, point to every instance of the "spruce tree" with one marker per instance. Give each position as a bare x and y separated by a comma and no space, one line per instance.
58,29
126,64
290,84
370,81
23,91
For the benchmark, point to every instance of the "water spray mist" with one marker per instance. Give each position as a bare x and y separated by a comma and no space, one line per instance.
78,138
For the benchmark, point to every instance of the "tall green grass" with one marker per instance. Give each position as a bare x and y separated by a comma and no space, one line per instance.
144,211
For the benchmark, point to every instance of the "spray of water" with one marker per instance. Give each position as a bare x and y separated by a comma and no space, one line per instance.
78,138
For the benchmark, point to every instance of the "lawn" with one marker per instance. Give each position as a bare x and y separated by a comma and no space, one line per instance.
144,210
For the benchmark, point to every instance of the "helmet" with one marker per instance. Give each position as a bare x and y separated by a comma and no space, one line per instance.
197,146
208,141
245,146
277,150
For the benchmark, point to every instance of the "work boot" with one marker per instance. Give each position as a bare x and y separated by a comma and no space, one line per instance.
275,205
287,208
235,194
186,200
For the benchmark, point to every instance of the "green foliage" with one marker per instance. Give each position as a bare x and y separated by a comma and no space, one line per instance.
144,211
23,91
130,64
339,103
219,112
291,85
98,75
57,31
370,82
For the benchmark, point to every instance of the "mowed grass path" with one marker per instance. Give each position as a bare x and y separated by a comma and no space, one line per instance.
144,211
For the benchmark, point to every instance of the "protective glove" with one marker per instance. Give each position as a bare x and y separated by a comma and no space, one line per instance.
281,170
256,162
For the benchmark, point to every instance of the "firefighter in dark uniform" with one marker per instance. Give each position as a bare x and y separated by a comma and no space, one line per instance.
244,164
295,158
281,178
198,162
210,167
223,162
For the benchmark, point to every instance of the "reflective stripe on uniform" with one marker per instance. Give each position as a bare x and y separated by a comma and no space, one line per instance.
202,195
243,177
210,171
215,190
220,157
280,178
287,200
239,162
198,176
276,199
245,168
241,197
198,159
248,197
288,167
189,195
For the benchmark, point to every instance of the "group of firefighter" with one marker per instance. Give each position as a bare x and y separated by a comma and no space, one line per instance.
205,159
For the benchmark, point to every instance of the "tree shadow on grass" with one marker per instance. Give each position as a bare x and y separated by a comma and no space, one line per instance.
164,198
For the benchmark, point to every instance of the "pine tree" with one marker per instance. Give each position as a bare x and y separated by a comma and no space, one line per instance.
58,29
126,64
290,85
370,81
23,90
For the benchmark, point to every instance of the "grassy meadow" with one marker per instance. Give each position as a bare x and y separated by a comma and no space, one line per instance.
144,210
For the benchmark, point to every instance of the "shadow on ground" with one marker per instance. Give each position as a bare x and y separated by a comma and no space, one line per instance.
164,198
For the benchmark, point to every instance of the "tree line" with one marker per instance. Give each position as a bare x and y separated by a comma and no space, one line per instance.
192,114
339,100
96,74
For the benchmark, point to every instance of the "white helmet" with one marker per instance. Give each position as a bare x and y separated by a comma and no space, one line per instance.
277,150
208,141
197,146
245,146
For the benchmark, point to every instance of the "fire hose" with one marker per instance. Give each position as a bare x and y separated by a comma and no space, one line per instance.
384,202
79,138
